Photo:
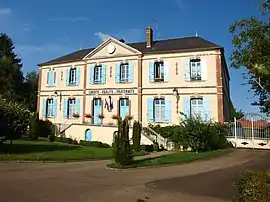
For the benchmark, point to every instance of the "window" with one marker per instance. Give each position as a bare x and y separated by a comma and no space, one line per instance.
71,107
195,70
49,108
196,107
97,74
124,71
72,76
158,71
159,110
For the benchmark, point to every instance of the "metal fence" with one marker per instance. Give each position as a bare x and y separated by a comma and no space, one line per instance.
253,130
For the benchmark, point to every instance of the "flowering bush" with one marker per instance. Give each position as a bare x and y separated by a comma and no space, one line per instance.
88,116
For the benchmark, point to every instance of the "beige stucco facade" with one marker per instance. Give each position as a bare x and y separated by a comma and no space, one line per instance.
214,86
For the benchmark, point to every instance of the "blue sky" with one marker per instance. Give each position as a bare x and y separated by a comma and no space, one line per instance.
43,30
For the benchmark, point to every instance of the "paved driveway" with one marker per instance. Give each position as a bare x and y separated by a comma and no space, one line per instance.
89,181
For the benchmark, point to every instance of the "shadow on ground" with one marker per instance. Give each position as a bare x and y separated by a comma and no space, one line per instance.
31,148
218,183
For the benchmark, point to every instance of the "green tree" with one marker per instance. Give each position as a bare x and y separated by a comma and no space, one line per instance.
238,114
31,88
251,40
11,76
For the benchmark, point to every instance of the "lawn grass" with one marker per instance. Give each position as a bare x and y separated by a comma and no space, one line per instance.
41,150
175,158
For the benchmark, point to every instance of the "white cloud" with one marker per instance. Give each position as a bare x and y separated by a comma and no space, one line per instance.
5,11
102,36
28,27
129,35
179,4
74,19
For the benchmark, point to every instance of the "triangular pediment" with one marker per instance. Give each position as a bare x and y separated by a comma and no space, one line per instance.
112,48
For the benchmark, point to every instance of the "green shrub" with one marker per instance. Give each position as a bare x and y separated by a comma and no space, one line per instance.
33,128
122,150
155,147
196,134
69,141
136,136
15,119
148,148
51,138
253,187
94,144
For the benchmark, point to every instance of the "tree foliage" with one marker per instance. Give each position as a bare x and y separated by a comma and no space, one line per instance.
238,114
14,86
122,149
14,120
251,40
136,135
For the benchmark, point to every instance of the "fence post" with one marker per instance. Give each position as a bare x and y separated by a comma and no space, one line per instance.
252,132
235,131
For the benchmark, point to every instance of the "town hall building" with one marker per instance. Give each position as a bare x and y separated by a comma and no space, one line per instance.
152,82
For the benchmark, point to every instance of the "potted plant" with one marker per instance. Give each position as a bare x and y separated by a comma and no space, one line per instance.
88,116
101,117
115,116
76,115
129,117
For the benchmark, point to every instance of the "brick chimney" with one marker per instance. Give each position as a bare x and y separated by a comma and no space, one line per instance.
149,37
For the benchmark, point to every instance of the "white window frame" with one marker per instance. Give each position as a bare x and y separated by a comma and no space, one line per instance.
71,107
159,71
159,109
124,72
196,107
49,108
97,74
72,76
195,70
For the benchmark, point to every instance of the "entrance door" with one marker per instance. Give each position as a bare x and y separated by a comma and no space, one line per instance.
124,107
97,110
88,135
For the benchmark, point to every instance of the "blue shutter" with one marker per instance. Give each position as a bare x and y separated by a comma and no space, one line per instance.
187,69
78,76
166,72
103,74
91,70
117,73
67,76
55,108
44,107
50,78
207,109
186,105
204,69
168,107
78,105
150,109
130,72
151,72
65,108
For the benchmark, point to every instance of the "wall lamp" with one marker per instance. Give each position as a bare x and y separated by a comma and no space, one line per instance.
176,93
60,96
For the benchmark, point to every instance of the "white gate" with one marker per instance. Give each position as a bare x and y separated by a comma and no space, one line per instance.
251,131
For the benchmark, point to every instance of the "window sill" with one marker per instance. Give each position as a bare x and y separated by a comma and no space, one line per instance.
48,86
192,81
124,82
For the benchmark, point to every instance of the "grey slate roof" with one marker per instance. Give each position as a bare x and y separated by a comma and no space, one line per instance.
168,45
